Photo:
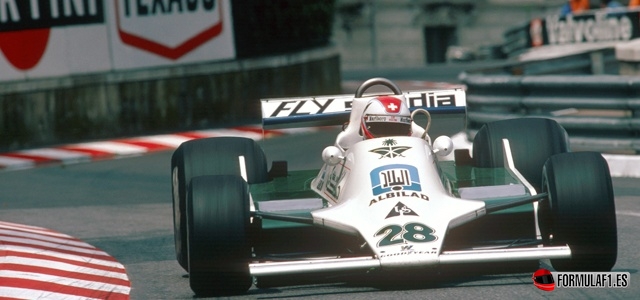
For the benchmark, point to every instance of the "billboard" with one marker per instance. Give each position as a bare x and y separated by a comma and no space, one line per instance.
45,38
595,26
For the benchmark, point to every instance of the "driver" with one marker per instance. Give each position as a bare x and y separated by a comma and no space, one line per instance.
386,116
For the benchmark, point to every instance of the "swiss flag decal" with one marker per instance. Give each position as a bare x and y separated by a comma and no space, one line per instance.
391,104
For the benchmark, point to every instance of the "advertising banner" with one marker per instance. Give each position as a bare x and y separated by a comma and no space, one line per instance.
41,38
596,26
154,33
48,38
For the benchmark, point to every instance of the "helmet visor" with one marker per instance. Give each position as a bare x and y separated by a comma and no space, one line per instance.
384,126
544,279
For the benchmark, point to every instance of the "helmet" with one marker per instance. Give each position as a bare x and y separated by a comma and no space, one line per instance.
543,279
386,116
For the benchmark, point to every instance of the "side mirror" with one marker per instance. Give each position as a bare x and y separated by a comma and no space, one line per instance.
332,155
443,146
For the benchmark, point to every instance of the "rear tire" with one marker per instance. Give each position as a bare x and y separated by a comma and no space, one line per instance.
580,211
211,156
532,141
218,221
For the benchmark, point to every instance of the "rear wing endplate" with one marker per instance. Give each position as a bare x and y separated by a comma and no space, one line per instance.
335,110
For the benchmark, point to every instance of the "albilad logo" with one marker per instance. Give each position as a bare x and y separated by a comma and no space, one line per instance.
390,150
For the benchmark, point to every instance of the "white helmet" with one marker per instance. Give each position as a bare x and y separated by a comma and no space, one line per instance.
386,116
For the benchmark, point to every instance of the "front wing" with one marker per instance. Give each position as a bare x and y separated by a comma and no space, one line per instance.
445,258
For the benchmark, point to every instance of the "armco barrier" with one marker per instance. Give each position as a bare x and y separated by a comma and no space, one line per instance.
599,112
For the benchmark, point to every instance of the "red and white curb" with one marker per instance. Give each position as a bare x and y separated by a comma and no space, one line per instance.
91,151
38,263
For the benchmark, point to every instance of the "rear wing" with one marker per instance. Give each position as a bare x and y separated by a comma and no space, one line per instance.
335,110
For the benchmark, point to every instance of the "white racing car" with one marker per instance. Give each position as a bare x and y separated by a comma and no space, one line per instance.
386,199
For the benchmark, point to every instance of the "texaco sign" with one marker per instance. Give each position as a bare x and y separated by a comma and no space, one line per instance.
169,28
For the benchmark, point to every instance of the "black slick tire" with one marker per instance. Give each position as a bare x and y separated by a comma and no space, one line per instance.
218,246
580,211
210,156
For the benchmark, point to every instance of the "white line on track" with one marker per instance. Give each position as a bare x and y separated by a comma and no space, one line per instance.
628,213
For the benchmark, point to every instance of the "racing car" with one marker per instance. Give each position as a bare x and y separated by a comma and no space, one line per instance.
388,197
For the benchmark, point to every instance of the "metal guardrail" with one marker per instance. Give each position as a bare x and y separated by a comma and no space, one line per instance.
552,60
600,112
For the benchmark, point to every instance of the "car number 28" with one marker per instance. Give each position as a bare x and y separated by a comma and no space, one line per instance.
410,232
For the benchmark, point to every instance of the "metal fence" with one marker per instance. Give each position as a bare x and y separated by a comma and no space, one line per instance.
599,112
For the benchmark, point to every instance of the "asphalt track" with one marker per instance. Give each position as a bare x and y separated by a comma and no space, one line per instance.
123,206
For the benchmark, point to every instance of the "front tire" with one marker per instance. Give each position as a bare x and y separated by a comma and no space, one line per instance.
211,156
218,222
580,211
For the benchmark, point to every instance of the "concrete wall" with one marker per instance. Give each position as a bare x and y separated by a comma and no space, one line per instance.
115,104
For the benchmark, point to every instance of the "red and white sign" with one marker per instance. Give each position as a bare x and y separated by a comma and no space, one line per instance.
152,33
44,38
199,22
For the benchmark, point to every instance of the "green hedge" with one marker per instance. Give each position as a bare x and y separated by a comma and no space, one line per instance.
265,27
